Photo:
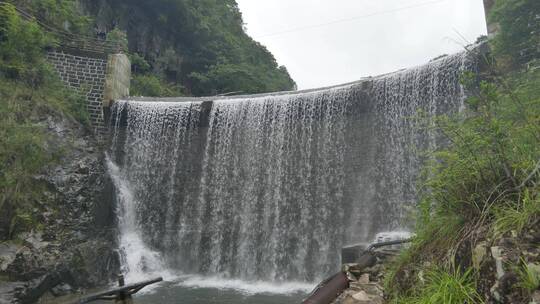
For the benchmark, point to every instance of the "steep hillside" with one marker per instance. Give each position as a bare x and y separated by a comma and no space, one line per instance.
478,220
56,211
178,47
198,44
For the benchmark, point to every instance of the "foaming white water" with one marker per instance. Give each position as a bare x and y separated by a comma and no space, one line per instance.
250,288
139,262
269,188
392,236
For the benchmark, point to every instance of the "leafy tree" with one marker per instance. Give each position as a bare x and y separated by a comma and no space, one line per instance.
118,39
61,14
200,45
518,40
21,47
151,85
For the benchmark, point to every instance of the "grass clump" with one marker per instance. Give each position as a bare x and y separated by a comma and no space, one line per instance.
529,276
516,217
151,86
444,287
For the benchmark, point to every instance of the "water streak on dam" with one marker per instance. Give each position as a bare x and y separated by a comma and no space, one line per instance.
270,187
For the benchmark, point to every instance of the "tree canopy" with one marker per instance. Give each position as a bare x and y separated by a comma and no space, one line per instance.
200,45
519,29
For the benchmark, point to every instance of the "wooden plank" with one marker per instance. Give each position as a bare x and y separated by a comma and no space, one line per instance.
114,293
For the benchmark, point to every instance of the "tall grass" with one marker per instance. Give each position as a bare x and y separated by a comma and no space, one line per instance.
529,276
444,287
486,178
516,216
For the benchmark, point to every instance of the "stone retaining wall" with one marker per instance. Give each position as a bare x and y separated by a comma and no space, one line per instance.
86,75
100,78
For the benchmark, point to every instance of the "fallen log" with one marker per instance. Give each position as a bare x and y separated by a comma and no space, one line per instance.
121,293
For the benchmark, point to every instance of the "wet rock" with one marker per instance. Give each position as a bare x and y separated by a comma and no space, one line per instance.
34,240
83,169
34,289
362,296
62,290
479,254
365,285
362,293
8,252
495,294
75,248
364,279
26,266
535,299
496,253
8,292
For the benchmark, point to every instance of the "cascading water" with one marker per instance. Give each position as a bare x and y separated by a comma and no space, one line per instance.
271,187
140,260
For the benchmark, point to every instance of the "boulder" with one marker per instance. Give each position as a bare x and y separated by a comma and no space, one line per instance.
478,255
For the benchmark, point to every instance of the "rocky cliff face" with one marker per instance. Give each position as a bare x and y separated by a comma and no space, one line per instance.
73,245
198,46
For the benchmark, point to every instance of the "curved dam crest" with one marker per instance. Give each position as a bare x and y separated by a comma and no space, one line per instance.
270,187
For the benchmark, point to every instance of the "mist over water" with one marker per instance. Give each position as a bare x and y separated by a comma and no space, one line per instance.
267,189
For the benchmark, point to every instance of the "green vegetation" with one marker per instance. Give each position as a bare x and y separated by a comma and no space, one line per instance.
516,217
29,93
59,14
518,40
20,59
151,85
199,46
529,276
189,47
487,178
193,48
444,287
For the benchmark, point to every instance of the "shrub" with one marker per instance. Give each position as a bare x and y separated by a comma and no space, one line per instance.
117,39
21,47
487,176
443,287
60,14
150,85
516,216
529,276
518,40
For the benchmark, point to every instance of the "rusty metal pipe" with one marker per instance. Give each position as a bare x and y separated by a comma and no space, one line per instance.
388,243
328,290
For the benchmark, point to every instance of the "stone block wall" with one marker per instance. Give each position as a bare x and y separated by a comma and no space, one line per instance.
87,76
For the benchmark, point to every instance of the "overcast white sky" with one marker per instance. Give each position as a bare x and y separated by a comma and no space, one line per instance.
327,42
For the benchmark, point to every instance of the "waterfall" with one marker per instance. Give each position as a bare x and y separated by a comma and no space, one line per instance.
270,187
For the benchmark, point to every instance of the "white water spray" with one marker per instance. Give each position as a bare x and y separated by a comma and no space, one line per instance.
139,262
269,188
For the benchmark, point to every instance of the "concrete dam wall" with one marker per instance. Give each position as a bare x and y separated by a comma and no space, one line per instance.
270,187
